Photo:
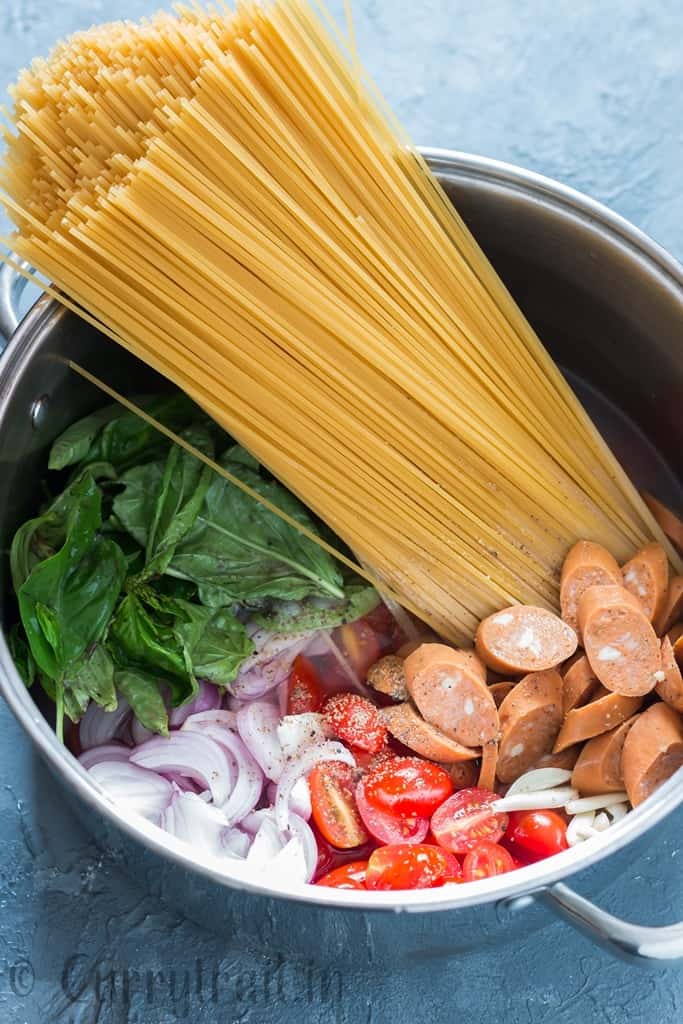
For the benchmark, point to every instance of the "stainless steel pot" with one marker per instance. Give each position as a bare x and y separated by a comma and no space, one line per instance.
609,304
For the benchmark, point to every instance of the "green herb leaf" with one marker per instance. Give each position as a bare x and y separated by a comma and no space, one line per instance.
134,507
73,445
91,677
21,654
144,696
217,643
240,551
319,613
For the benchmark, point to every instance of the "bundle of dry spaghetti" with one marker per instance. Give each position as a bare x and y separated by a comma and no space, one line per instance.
226,195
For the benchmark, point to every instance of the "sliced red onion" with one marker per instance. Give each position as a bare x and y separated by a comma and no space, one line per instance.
193,754
198,823
296,732
208,698
249,782
265,845
138,732
318,644
99,727
236,842
257,724
328,751
291,863
197,722
251,823
107,752
282,693
182,782
354,679
270,666
303,830
299,800
138,789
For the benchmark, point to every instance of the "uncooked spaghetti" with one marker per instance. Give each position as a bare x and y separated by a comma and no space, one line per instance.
228,197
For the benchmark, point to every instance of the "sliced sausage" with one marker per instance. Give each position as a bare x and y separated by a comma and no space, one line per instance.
672,610
388,676
653,751
586,565
489,762
463,773
606,711
620,643
566,758
530,719
670,689
598,767
412,645
450,694
669,522
499,691
524,638
646,575
579,683
403,722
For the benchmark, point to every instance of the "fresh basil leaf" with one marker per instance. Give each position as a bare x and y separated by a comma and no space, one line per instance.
142,692
73,445
134,507
67,601
217,642
240,551
179,499
91,677
139,638
21,655
319,613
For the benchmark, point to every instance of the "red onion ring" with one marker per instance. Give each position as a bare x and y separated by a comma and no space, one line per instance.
249,782
198,721
310,757
192,754
107,752
98,727
257,724
207,698
141,791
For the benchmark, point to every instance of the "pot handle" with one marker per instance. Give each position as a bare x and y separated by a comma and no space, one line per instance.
638,943
12,285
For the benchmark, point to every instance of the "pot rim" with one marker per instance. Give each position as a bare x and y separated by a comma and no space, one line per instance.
452,166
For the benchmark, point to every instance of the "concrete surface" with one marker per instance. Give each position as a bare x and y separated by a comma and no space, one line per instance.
589,93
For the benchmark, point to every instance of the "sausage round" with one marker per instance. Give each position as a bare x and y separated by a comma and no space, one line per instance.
523,638
586,565
669,522
388,676
499,691
646,576
489,763
606,711
653,751
598,767
670,689
672,610
530,718
566,758
620,643
578,684
464,774
447,687
403,722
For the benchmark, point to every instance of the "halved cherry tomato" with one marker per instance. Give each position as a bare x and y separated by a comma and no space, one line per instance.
409,866
333,804
466,818
368,762
408,785
348,876
366,640
304,689
389,828
355,720
538,834
485,860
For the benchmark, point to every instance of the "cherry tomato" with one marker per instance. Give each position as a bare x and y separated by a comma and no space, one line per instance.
368,762
410,866
466,818
408,785
333,804
389,828
348,876
485,860
355,720
538,834
366,640
304,689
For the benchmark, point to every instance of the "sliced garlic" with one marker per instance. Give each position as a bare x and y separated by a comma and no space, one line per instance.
539,778
541,799
594,803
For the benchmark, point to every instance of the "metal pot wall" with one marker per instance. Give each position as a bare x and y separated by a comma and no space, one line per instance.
608,303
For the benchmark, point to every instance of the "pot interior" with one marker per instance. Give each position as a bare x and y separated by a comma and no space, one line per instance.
610,315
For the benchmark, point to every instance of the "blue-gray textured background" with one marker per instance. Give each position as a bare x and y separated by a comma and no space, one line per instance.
586,92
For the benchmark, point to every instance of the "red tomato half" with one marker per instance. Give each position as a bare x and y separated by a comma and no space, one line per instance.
485,860
366,640
389,828
355,720
538,834
348,876
304,689
410,866
466,818
333,804
408,785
